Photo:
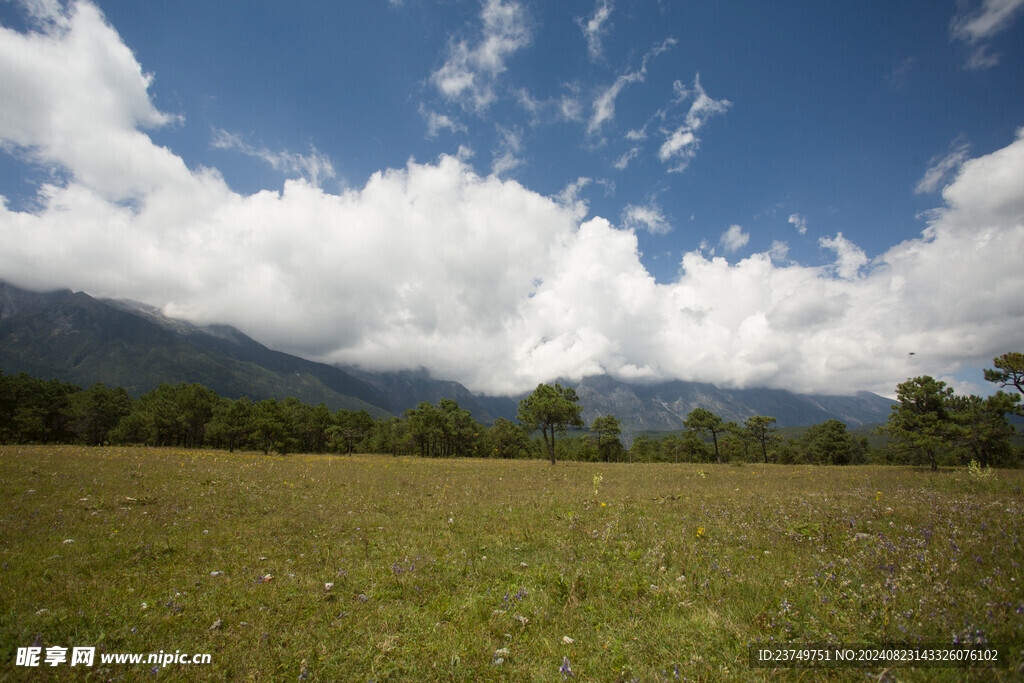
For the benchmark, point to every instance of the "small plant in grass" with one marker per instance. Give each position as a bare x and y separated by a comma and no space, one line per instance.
978,473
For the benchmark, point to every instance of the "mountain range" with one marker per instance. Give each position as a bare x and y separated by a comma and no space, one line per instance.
73,337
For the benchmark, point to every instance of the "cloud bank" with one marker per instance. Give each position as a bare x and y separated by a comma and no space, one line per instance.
478,278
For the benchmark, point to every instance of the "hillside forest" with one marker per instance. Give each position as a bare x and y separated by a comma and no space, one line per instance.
929,425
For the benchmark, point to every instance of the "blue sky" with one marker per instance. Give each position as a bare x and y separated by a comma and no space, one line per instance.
506,192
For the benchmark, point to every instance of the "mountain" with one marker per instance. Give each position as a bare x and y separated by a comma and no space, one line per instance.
73,337
664,406
408,388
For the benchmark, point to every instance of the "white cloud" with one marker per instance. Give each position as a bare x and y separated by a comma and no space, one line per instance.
479,278
565,107
604,103
734,238
623,161
510,144
942,166
75,94
314,166
648,218
569,197
471,69
596,28
980,24
436,122
681,144
849,257
799,222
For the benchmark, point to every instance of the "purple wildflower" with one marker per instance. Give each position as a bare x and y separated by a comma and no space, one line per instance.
566,668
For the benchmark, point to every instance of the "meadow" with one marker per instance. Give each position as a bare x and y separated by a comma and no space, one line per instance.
373,567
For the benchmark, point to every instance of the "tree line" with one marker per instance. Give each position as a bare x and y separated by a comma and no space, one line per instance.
929,424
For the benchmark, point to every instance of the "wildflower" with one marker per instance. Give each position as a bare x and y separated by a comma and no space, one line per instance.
700,531
567,640
566,668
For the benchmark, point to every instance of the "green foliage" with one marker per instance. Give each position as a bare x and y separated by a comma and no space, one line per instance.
702,420
269,429
828,443
96,412
931,422
982,429
608,429
229,426
33,410
1009,371
920,422
350,428
444,430
504,439
761,430
552,409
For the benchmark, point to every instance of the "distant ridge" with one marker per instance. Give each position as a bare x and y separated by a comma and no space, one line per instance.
75,338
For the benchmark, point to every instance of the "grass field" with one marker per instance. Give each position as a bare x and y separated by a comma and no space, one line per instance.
494,570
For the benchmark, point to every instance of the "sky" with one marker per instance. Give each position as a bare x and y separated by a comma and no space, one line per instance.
820,197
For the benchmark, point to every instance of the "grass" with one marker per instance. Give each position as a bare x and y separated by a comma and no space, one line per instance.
441,568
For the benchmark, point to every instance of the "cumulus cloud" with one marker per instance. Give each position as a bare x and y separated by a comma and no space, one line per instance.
472,67
477,277
74,95
595,28
979,24
849,257
734,238
648,218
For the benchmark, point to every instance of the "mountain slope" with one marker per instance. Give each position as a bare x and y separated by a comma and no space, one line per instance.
665,405
408,388
75,338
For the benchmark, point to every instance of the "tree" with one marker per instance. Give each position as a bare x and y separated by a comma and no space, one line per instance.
269,427
608,429
230,423
763,431
921,421
828,443
1010,371
644,449
506,439
96,411
552,409
983,428
351,427
693,447
34,410
703,420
